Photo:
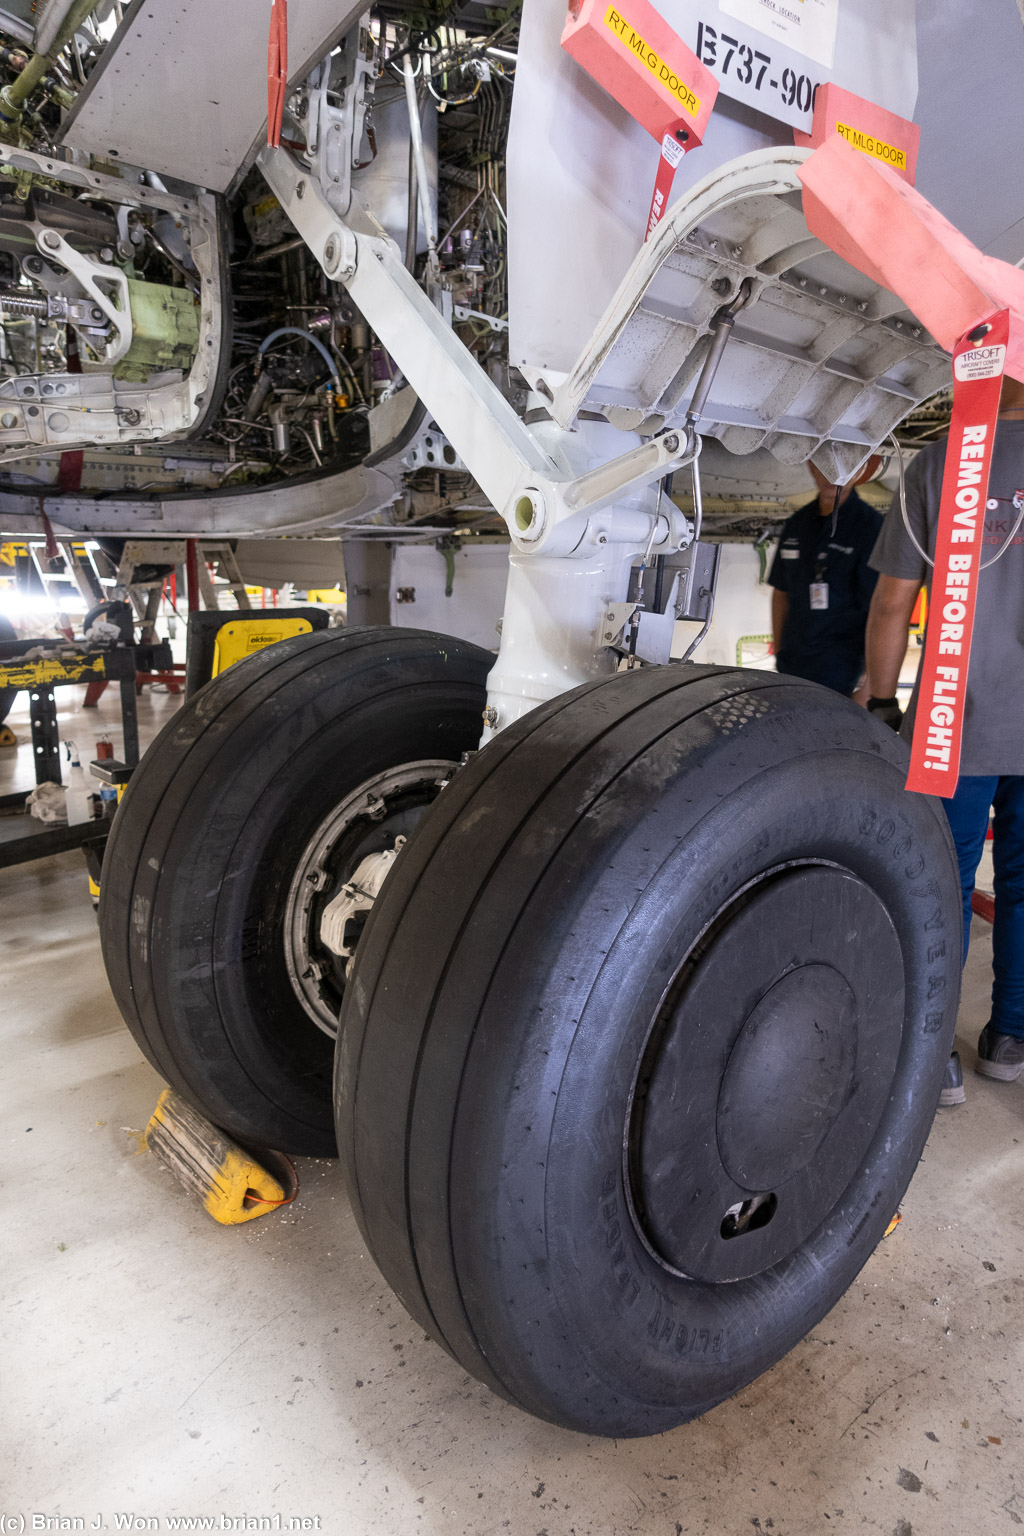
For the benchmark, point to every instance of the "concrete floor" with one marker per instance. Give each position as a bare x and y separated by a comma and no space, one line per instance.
154,1365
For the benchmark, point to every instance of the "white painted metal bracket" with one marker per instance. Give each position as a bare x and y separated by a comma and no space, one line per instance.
535,490
94,277
333,134
357,895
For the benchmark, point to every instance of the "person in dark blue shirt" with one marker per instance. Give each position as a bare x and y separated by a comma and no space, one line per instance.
823,584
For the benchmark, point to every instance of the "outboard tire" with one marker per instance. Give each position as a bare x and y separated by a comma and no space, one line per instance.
646,1037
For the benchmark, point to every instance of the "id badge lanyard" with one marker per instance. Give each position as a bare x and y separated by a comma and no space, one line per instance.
819,586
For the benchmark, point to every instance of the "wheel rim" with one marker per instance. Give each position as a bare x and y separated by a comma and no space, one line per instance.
388,806
765,1074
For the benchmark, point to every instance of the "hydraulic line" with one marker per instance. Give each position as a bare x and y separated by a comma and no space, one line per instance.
420,162
721,330
272,252
314,341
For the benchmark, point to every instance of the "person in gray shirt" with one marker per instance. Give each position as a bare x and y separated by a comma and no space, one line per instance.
992,761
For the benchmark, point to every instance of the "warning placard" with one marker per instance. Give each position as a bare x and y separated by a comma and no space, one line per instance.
807,26
942,695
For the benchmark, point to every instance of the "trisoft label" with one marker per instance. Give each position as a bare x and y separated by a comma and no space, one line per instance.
979,363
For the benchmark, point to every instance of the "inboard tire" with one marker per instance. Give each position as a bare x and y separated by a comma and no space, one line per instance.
256,802
648,1032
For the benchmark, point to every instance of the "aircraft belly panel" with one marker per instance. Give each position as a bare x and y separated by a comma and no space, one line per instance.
182,90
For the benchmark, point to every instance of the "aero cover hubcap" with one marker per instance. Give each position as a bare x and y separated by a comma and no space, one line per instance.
766,1074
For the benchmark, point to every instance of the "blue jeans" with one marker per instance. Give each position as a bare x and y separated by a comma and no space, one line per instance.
968,820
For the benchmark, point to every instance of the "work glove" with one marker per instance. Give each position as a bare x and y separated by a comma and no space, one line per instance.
886,710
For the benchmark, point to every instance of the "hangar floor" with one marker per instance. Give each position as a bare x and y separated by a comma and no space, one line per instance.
156,1365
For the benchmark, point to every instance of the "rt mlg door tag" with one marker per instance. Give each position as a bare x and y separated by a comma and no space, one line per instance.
819,595
978,362
632,52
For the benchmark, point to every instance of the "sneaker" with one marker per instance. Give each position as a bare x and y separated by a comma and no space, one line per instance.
952,1083
1000,1056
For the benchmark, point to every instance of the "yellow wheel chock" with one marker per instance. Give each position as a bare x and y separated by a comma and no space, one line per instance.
228,1181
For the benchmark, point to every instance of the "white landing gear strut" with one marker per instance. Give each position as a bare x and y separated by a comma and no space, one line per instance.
578,513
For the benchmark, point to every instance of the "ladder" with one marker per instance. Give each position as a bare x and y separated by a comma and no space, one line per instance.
142,552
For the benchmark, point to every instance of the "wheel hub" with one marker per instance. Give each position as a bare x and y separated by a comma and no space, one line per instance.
356,896
765,1075
327,904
